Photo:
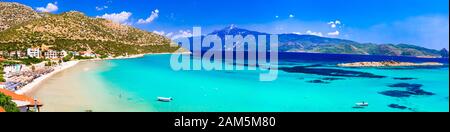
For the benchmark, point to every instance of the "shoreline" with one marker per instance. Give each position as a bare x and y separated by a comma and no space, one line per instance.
136,56
36,82
30,86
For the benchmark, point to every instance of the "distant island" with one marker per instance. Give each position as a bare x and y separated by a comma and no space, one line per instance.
388,64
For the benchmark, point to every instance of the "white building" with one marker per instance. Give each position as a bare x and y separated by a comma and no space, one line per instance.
34,52
88,54
19,54
52,54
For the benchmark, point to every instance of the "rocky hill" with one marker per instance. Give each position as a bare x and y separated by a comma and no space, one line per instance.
12,14
74,31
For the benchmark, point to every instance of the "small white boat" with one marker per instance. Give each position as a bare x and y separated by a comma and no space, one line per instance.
164,99
362,104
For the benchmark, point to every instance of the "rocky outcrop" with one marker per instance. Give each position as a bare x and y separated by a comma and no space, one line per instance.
388,64
12,14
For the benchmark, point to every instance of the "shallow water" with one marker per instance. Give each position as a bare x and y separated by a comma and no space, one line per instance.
80,88
134,85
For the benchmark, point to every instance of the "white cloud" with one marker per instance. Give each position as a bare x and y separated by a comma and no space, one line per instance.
337,22
277,16
101,8
169,35
159,32
121,18
336,33
309,32
334,24
152,17
291,16
182,34
51,7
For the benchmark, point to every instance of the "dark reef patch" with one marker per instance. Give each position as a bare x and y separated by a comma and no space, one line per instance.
396,93
410,89
332,79
405,85
414,89
404,78
396,106
329,72
318,81
419,91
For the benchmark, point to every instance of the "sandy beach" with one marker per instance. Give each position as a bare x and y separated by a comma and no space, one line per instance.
68,87
79,88
27,88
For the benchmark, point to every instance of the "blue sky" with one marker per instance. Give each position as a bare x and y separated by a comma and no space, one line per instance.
419,22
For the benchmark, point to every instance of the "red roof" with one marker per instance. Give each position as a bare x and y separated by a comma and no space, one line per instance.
15,96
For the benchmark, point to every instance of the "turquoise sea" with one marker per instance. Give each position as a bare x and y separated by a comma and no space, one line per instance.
138,82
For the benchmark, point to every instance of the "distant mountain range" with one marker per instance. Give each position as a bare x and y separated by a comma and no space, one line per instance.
21,27
316,44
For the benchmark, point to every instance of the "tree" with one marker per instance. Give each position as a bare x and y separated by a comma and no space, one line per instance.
103,56
49,63
7,104
68,57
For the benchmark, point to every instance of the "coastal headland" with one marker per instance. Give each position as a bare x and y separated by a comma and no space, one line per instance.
388,64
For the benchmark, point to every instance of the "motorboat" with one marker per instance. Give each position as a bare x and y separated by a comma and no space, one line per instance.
362,104
165,99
